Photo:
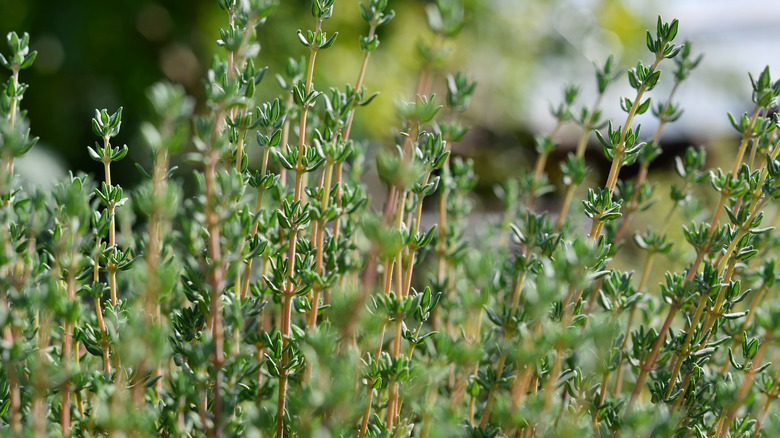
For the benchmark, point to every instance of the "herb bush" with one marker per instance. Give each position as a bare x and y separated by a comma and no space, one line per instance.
274,301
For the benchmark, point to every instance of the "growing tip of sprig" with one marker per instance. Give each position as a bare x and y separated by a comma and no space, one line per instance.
446,17
105,125
21,58
662,45
459,90
322,9
374,13
422,110
765,92
606,75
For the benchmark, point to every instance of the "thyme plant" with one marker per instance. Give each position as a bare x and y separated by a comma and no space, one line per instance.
268,298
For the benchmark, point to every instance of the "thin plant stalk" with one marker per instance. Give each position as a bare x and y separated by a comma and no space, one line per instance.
692,329
475,371
110,267
771,396
216,283
760,294
400,278
643,170
712,314
154,248
541,163
338,170
13,383
515,300
67,347
629,324
728,415
392,403
709,321
582,143
286,137
12,114
38,405
320,241
289,287
99,312
412,250
649,363
617,162
253,230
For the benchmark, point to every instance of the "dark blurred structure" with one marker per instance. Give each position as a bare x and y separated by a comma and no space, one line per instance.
99,54
96,54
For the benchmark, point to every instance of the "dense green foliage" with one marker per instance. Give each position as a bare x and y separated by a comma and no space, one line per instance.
276,301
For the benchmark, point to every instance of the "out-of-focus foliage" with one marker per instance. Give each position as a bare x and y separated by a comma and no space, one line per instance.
97,54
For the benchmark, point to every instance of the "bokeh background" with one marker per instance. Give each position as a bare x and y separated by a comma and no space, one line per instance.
103,54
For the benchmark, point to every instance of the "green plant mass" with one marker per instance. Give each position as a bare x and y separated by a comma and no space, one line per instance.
253,285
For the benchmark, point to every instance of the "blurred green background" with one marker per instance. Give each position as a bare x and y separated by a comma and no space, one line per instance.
98,54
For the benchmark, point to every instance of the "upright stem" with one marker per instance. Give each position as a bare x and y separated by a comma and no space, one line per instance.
154,247
240,146
286,137
112,224
650,362
648,365
13,379
359,84
99,311
253,231
715,311
67,347
215,280
541,163
386,284
366,411
746,323
475,370
633,203
13,383
320,242
281,402
8,335
392,403
289,286
587,127
771,396
515,300
412,250
729,413
12,114
339,168
492,394
630,322
617,162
